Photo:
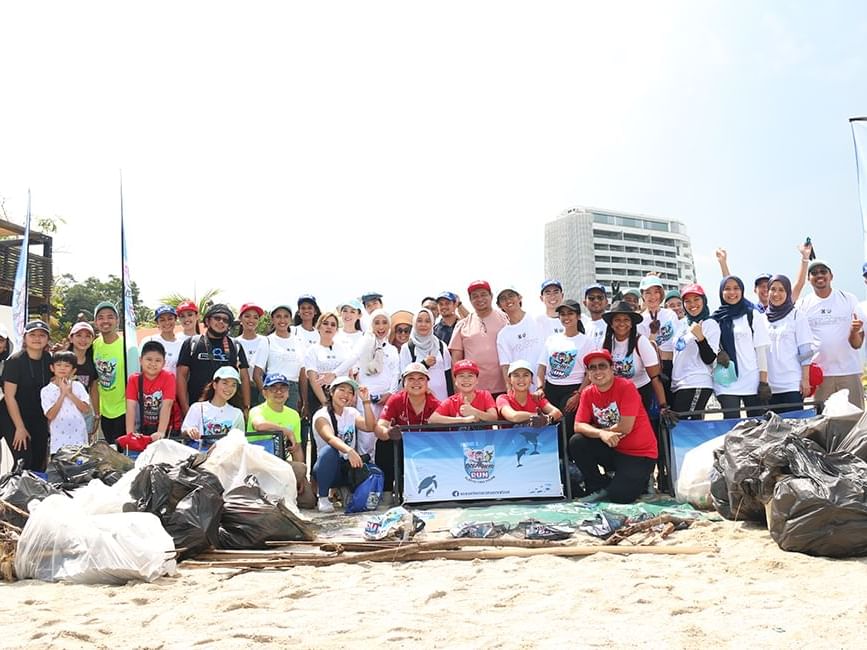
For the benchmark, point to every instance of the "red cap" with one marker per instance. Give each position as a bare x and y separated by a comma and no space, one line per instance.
187,305
694,289
816,377
465,365
597,354
247,306
133,443
479,284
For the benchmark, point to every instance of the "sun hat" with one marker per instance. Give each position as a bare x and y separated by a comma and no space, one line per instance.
622,307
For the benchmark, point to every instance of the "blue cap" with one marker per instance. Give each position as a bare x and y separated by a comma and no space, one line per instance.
761,277
353,303
306,297
274,378
448,295
373,295
551,283
595,286
164,309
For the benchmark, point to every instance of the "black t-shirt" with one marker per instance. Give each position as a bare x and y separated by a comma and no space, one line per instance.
208,356
86,372
444,332
30,376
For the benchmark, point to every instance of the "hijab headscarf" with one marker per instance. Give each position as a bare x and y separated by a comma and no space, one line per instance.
424,345
373,347
727,314
704,314
778,313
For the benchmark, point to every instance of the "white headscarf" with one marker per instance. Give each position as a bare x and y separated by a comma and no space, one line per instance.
372,353
424,345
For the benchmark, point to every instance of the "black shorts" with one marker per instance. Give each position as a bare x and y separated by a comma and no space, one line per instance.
112,428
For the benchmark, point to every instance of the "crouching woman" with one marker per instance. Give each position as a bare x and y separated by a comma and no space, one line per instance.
612,430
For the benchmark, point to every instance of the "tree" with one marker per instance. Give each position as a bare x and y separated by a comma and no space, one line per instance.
71,298
207,299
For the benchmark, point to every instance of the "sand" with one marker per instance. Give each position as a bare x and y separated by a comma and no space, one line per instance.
748,592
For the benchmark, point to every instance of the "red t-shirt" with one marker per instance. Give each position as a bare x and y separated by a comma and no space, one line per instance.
451,406
604,410
532,406
154,391
399,411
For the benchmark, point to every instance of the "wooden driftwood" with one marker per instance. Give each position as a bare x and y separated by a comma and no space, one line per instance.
669,523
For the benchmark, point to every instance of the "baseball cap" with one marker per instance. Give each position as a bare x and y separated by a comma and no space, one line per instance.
247,306
649,281
520,364
352,302
371,295
597,354
550,282
133,443
227,372
812,265
164,309
220,308
693,289
478,284
274,378
569,304
511,288
761,278
465,365
414,368
187,305
36,325
283,306
451,297
81,326
105,304
307,297
594,287
673,293
632,292
339,381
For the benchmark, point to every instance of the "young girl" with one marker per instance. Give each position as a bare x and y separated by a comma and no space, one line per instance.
519,405
81,344
215,417
335,428
251,341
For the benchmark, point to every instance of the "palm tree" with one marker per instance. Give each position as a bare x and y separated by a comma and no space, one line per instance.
207,299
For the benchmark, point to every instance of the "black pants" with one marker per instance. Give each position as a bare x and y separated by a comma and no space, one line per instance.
385,461
112,428
35,457
558,396
691,399
731,405
631,473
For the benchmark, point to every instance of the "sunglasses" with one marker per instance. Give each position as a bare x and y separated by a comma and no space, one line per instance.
221,319
402,330
595,297
593,367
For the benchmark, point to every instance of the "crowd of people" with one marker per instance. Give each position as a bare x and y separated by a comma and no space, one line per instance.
610,366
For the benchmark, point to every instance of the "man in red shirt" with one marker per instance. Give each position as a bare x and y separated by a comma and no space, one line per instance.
612,430
467,405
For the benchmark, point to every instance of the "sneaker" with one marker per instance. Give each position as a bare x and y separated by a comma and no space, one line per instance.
325,505
594,497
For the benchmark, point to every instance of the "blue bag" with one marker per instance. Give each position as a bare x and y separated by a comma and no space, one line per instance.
368,494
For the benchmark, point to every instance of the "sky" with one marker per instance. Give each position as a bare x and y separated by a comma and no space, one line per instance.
275,149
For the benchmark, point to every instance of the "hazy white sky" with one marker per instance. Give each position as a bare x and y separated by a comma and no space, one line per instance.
273,149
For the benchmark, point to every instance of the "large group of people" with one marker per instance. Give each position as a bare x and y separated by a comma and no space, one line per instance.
612,367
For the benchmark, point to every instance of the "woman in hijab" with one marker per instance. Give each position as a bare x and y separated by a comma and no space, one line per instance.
432,353
791,347
744,344
695,348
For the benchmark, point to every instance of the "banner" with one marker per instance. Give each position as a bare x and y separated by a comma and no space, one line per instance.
130,339
859,135
21,290
481,464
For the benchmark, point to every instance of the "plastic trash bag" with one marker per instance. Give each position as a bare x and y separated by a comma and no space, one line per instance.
62,543
603,525
7,462
838,406
369,493
97,498
232,460
164,451
396,522
73,466
693,480
480,530
20,488
534,529
250,518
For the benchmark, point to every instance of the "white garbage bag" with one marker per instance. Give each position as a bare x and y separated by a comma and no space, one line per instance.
60,542
232,459
97,498
164,451
693,480
838,406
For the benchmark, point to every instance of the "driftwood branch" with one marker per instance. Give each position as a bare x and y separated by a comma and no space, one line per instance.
646,525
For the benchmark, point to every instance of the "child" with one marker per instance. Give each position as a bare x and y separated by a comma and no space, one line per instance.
215,417
65,402
150,394
519,405
467,404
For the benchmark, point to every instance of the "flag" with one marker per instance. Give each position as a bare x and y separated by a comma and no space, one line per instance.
130,340
19,293
859,134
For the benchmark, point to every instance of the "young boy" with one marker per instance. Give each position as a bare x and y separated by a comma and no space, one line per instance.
149,394
65,402
467,404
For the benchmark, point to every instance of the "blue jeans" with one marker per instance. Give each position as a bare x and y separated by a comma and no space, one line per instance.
792,397
329,470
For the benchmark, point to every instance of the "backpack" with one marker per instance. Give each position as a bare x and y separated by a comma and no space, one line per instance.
367,495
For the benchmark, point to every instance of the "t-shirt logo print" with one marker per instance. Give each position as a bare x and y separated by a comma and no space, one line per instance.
624,367
665,333
560,364
152,404
107,371
217,428
608,416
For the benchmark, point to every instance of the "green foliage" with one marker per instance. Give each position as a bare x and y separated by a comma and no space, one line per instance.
207,299
71,298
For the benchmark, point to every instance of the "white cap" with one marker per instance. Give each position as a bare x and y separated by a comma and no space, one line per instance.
519,365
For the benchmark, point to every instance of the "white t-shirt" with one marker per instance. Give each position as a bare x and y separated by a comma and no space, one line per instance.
251,348
521,341
784,365
386,381
595,330
173,349
68,427
437,383
325,359
667,327
746,343
345,427
350,340
634,366
563,358
213,420
307,337
283,354
549,325
830,320
688,370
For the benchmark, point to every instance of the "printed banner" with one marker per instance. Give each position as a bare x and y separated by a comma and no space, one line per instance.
130,337
481,464
20,291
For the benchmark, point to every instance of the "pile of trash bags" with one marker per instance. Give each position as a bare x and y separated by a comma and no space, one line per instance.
805,479
100,518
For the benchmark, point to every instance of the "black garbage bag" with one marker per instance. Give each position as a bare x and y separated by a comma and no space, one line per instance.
194,522
819,502
250,518
18,488
73,466
839,434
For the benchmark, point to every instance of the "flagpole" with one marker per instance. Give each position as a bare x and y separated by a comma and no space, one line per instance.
123,278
